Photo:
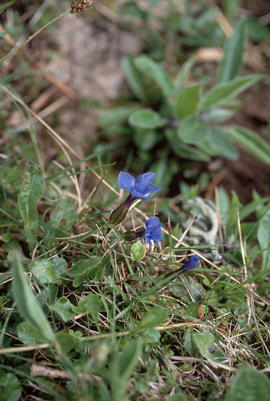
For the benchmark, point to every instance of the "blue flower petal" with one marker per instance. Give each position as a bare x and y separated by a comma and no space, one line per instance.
144,181
138,195
153,230
126,181
191,263
153,189
152,222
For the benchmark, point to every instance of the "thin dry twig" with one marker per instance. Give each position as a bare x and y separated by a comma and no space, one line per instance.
98,337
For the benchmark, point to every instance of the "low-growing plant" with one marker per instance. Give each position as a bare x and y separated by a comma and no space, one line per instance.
176,118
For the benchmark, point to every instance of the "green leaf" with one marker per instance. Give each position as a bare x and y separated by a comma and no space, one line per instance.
6,5
234,51
10,388
188,339
60,265
183,74
224,204
250,385
222,144
43,271
85,268
138,251
221,93
146,118
187,101
203,341
122,367
134,78
145,139
85,265
164,169
26,302
177,397
192,131
154,317
29,334
234,209
183,150
231,8
264,239
30,193
67,341
150,336
256,31
90,304
252,207
48,271
116,115
63,307
156,73
219,115
64,211
251,141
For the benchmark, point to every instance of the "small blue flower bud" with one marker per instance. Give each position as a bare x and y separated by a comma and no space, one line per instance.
152,231
191,263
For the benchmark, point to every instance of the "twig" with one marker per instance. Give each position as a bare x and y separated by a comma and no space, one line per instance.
97,337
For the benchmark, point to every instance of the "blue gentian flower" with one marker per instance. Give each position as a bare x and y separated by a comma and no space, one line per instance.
191,263
152,231
138,188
